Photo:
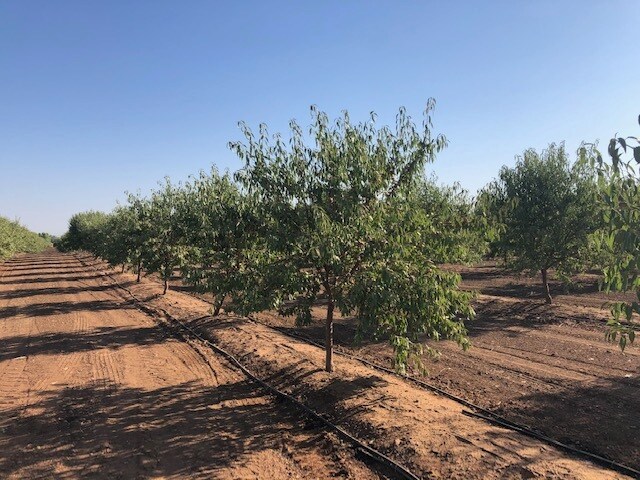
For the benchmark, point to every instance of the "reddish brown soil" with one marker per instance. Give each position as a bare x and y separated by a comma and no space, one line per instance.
545,366
427,432
90,387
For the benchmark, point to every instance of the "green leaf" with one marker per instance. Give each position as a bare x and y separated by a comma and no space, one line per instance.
623,142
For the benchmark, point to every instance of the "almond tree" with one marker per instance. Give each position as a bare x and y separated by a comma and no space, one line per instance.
120,237
163,248
332,213
219,226
546,205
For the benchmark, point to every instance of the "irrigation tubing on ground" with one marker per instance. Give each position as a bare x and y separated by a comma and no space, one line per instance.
360,446
478,411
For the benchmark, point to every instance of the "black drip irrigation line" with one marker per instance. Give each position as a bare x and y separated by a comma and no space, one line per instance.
360,446
478,411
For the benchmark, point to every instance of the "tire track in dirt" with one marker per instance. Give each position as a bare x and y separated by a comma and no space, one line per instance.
11,374
575,411
102,391
293,366
581,368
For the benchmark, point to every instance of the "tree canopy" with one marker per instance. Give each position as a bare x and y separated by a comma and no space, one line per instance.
335,219
547,207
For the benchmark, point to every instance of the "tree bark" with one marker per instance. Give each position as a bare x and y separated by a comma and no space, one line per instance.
545,284
139,269
218,305
122,268
166,286
329,336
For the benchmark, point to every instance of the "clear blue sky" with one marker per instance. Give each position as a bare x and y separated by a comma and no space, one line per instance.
98,98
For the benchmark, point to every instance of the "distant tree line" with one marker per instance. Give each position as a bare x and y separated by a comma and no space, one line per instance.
15,238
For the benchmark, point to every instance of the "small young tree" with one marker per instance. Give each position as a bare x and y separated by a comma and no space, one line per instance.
219,231
546,206
163,248
137,225
114,235
84,232
331,213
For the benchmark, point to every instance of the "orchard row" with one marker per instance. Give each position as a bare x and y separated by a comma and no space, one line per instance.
351,221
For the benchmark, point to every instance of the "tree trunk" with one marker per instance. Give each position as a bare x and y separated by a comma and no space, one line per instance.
122,268
545,284
139,269
166,286
218,305
329,337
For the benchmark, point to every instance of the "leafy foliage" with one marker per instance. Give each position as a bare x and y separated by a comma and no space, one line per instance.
84,233
14,238
333,222
219,233
620,192
545,209
402,294
457,232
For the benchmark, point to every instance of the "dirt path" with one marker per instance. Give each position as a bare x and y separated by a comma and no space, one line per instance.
426,432
92,387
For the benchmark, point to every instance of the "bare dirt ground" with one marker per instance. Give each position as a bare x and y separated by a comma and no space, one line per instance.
426,432
544,366
91,387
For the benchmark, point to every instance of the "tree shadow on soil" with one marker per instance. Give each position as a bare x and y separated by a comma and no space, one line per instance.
79,341
20,279
598,417
529,291
483,273
25,293
61,308
18,267
37,272
182,431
